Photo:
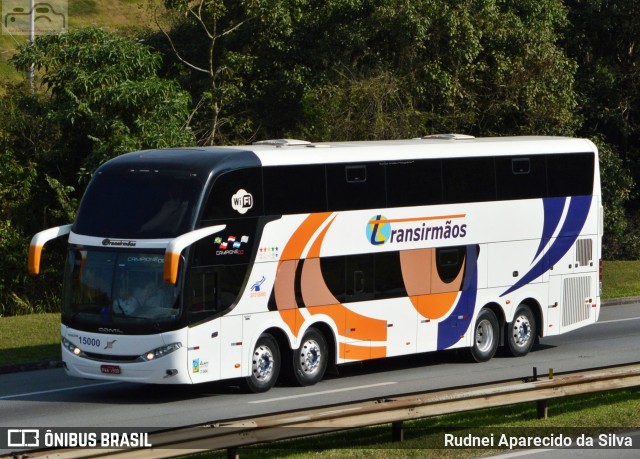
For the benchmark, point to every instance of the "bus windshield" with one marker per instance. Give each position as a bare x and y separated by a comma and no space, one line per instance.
118,290
138,204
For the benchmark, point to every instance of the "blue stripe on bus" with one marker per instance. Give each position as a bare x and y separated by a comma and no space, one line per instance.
576,217
452,328
553,208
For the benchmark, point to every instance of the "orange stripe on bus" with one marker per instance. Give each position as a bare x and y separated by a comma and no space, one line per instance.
417,219
314,251
434,306
300,238
359,352
293,318
293,251
361,327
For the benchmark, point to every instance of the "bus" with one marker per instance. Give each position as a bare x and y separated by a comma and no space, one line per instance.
286,258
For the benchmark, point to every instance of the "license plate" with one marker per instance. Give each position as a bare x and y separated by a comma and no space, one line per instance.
110,369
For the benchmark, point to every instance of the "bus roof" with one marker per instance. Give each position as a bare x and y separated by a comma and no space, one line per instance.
429,147
290,152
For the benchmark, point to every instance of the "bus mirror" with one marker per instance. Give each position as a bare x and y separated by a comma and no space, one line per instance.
177,245
39,240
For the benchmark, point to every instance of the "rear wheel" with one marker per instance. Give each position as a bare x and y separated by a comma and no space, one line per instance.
310,359
485,336
265,365
521,333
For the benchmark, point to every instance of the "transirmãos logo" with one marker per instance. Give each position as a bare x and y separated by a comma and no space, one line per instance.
380,231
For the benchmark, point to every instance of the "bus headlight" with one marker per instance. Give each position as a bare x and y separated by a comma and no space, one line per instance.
161,351
75,350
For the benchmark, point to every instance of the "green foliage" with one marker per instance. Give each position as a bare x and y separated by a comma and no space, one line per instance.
603,40
480,67
352,108
219,49
104,93
622,240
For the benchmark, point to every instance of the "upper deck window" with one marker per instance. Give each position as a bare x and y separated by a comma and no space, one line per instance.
139,204
355,186
235,194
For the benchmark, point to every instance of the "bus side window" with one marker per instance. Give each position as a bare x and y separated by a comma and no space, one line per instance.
203,291
360,276
414,183
294,189
469,180
449,261
212,290
235,194
334,274
520,177
388,281
356,186
571,175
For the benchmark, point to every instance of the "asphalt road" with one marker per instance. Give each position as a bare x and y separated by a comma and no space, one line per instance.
49,398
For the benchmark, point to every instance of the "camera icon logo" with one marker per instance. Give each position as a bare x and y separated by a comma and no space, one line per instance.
48,17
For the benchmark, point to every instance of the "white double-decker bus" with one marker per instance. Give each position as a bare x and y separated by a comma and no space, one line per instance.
284,258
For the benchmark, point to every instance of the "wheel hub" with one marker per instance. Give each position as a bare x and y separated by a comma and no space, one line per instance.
262,363
484,335
521,331
310,357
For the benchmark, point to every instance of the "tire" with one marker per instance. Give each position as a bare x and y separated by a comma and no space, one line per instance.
265,365
521,333
310,359
486,334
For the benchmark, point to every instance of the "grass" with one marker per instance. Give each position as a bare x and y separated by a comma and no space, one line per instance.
620,279
30,338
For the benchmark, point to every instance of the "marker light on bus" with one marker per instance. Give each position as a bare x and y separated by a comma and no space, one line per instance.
161,351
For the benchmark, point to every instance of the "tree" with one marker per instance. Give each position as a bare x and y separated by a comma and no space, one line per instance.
621,241
104,94
20,194
479,67
604,40
215,40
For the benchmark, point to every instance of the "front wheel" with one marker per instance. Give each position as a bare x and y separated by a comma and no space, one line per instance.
310,359
485,336
265,365
521,333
